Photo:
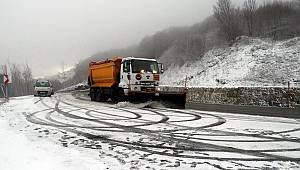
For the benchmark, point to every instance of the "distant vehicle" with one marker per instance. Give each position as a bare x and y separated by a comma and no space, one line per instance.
43,88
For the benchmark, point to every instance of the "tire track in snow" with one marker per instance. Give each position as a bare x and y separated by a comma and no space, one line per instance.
195,145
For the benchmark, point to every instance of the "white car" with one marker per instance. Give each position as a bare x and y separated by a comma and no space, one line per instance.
43,88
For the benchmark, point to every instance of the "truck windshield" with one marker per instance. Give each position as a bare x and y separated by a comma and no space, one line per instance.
42,84
139,66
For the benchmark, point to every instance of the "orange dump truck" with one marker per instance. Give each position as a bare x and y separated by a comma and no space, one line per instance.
129,78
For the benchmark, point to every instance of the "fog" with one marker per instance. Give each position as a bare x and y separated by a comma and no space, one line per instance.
47,33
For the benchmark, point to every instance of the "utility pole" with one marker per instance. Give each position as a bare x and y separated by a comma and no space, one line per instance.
63,75
63,69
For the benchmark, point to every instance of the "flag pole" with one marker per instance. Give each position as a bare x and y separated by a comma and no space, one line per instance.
6,91
2,90
6,80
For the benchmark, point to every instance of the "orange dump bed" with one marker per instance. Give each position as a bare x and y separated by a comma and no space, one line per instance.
105,73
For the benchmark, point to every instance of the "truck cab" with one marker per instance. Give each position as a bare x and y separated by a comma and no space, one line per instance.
126,78
140,76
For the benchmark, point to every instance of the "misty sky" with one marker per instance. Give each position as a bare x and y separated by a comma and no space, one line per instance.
47,33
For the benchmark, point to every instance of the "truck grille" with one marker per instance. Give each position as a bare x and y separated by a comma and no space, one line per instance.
147,83
42,92
148,89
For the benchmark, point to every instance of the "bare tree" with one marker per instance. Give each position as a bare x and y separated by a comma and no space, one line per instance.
228,19
22,80
249,15
17,81
28,80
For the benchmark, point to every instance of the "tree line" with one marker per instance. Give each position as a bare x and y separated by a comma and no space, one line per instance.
22,80
277,19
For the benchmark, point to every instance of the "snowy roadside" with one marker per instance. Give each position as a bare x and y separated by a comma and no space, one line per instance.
20,151
63,132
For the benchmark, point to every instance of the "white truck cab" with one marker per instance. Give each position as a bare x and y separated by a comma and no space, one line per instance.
43,88
140,75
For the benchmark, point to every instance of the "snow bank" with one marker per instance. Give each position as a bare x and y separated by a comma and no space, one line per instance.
249,62
18,151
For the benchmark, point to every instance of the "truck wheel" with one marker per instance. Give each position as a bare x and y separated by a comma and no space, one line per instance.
98,97
92,95
118,96
122,96
104,98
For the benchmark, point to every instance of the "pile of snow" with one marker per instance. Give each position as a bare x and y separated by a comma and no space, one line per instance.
151,104
249,62
29,152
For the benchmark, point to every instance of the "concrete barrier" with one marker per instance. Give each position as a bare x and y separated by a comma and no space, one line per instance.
259,96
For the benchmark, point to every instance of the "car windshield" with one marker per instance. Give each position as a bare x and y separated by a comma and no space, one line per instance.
42,84
140,66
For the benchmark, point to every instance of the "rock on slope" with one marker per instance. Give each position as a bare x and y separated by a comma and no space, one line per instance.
248,62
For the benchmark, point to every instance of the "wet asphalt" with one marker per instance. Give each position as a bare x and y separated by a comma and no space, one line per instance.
250,110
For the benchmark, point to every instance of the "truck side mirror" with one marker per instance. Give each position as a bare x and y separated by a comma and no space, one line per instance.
161,68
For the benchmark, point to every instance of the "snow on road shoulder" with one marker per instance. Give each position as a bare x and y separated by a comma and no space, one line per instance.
20,152
68,133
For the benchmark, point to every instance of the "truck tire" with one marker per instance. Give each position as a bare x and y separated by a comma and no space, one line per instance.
103,98
98,97
118,95
92,95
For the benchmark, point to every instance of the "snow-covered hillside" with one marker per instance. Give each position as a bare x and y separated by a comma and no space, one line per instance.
249,62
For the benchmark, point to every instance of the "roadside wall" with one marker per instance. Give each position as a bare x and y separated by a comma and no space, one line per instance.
282,97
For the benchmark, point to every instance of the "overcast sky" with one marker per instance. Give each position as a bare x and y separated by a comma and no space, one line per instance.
47,33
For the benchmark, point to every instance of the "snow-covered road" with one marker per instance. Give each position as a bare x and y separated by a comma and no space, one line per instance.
71,133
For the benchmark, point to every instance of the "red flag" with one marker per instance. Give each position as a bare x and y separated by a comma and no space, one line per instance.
6,79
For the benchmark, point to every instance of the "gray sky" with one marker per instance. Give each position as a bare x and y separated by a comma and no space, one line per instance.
47,33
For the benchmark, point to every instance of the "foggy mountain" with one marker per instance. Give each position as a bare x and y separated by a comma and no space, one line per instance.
176,46
179,46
